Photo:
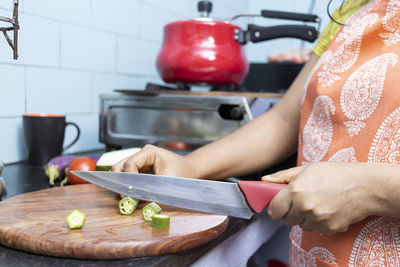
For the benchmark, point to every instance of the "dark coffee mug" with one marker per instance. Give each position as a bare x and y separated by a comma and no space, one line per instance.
44,136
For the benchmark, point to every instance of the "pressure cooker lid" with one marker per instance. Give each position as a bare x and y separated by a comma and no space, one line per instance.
204,8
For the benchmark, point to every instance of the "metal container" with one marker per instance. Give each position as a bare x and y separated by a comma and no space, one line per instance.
135,120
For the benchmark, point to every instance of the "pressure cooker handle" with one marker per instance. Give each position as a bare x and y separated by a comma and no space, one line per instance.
289,16
303,32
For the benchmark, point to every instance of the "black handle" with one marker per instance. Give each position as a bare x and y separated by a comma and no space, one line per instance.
78,133
204,6
303,32
289,15
231,112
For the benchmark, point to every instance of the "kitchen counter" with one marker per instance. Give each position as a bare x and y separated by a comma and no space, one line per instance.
249,234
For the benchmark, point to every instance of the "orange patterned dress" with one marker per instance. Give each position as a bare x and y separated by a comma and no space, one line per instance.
351,113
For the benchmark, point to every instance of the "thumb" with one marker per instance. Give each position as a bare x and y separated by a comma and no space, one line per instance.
283,177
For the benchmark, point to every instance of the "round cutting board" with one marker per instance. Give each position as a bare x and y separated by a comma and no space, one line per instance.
35,222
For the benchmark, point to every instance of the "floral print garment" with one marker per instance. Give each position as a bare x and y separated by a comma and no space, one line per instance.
351,113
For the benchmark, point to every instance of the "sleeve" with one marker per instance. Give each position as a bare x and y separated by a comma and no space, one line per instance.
326,38
341,15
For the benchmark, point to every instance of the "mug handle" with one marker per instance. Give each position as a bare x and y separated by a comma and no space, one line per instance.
78,133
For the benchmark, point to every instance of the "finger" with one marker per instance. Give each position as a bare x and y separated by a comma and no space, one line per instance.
284,176
308,225
291,220
293,217
140,162
280,205
119,165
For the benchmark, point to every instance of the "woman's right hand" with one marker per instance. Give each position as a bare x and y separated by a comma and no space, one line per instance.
156,160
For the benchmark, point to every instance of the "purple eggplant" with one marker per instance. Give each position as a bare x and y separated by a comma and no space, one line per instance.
95,158
55,168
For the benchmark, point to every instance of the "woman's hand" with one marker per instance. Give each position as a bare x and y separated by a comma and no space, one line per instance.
325,196
156,160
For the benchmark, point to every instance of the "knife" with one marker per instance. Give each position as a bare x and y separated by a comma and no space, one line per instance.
240,199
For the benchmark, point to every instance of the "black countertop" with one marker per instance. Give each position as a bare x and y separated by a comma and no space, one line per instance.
21,178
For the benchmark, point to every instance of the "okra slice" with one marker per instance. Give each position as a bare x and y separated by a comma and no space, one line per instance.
127,205
76,219
160,221
149,210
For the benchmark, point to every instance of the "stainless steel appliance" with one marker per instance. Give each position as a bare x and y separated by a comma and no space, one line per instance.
135,117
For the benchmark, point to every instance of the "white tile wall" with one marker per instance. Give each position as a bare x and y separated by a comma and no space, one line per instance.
185,8
12,91
58,91
71,51
7,4
152,21
39,42
137,56
89,139
119,16
86,48
74,11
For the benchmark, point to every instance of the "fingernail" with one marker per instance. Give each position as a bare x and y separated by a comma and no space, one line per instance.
270,215
268,178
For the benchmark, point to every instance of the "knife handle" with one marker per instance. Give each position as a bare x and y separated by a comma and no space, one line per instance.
259,194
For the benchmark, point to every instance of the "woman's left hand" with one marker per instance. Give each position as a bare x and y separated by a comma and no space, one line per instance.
324,196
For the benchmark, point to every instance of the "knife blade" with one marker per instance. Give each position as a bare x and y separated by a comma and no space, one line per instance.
240,199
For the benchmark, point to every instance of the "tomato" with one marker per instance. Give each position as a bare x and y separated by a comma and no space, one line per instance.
176,145
80,164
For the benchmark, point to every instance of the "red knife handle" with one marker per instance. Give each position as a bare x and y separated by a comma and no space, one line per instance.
259,194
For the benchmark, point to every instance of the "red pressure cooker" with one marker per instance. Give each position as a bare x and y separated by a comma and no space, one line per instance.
209,51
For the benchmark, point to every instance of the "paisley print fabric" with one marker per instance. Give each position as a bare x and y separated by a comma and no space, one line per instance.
386,144
391,23
324,254
362,91
317,133
303,97
343,58
344,155
301,258
351,113
377,244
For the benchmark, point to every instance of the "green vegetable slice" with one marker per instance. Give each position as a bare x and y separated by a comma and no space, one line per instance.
160,221
76,219
127,205
108,159
149,210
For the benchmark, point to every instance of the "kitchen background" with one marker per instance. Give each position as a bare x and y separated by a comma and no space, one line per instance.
70,51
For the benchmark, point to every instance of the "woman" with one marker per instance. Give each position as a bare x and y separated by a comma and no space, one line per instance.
342,114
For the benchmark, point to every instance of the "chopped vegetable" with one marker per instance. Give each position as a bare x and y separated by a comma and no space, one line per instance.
160,221
56,166
80,164
94,158
149,210
108,159
127,205
65,180
76,219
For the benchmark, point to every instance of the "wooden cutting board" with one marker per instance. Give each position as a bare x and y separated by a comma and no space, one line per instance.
35,222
